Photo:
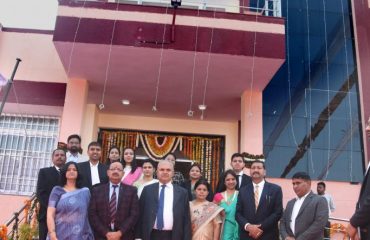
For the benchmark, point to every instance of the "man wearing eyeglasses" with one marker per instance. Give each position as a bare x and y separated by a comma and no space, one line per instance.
114,207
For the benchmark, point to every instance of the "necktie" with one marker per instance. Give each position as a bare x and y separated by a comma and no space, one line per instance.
160,222
113,205
256,196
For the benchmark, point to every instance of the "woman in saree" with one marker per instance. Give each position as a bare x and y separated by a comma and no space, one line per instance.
132,172
67,214
148,171
205,216
227,199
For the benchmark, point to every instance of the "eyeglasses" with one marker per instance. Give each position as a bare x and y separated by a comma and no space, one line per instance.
116,169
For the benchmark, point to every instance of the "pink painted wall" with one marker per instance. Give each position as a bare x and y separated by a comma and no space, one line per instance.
10,204
40,61
362,38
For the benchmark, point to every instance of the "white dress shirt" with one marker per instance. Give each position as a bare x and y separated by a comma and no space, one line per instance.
76,158
94,174
297,206
168,203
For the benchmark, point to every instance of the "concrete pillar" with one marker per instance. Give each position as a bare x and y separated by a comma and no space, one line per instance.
251,133
74,108
90,125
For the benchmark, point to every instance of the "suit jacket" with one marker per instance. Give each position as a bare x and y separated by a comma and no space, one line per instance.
181,229
361,218
85,171
311,219
268,214
187,186
127,211
245,181
47,179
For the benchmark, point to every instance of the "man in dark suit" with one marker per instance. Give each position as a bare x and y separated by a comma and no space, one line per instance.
259,207
48,178
165,213
92,171
305,217
114,207
361,218
237,164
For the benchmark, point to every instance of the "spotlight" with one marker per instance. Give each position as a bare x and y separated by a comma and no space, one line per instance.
125,102
202,107
190,113
101,106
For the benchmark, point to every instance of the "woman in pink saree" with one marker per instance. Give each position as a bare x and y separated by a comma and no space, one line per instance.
132,172
205,216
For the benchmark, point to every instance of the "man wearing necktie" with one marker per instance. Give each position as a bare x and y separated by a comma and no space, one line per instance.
165,209
114,207
259,207
47,179
237,164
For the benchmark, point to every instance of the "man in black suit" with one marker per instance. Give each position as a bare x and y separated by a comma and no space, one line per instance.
361,218
237,164
92,171
164,209
259,207
114,207
48,178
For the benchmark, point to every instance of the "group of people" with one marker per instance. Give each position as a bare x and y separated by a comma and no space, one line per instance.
86,199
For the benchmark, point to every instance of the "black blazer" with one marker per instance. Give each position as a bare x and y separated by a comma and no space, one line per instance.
148,211
361,218
85,171
268,214
187,186
245,180
47,179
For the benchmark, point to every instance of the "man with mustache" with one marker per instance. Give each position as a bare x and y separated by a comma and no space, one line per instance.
74,147
259,207
92,171
114,207
165,209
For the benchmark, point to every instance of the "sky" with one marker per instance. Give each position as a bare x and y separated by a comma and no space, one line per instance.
30,14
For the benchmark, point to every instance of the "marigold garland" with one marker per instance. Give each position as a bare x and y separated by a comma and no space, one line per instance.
3,232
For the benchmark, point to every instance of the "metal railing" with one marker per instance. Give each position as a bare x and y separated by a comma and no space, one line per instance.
266,8
337,227
25,214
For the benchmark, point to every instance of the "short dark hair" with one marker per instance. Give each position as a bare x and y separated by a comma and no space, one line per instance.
223,178
237,155
58,149
148,161
322,184
74,136
63,171
259,161
168,154
204,182
302,175
95,144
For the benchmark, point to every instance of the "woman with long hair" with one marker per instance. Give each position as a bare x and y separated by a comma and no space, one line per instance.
148,172
205,216
114,155
227,199
132,172
67,214
195,174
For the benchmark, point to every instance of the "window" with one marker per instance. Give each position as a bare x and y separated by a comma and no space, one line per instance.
26,144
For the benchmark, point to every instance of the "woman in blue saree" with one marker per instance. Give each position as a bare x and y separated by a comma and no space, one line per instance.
67,215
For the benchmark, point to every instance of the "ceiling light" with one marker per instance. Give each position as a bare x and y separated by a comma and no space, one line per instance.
125,102
101,106
154,109
190,113
202,107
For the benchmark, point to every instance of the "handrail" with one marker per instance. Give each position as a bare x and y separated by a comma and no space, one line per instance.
15,221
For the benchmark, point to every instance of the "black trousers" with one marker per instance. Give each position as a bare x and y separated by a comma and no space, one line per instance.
160,235
43,230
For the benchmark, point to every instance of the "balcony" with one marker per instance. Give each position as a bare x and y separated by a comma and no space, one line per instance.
238,47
